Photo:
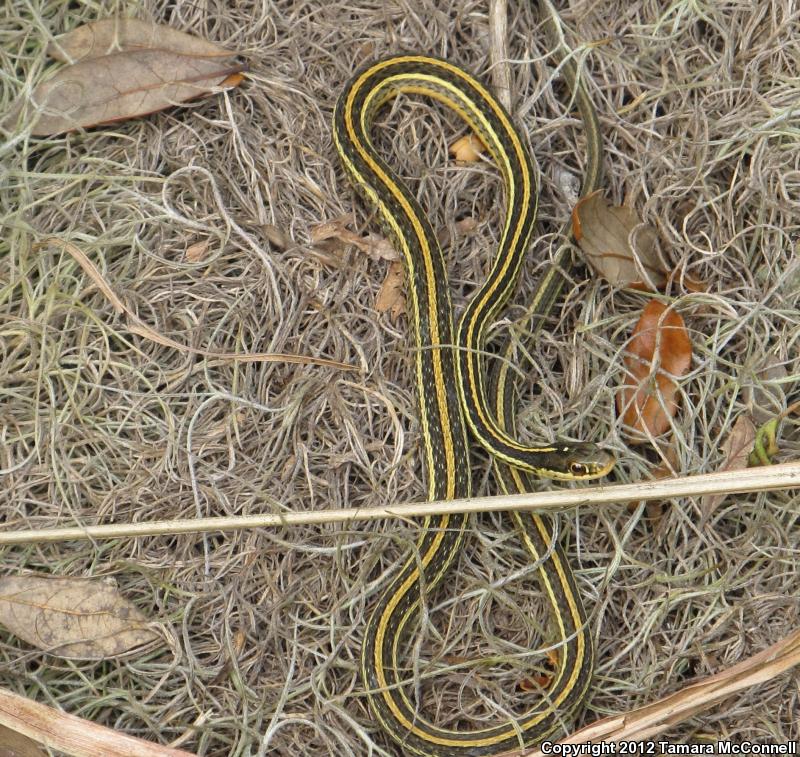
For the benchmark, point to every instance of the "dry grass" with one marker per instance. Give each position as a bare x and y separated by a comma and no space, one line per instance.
696,103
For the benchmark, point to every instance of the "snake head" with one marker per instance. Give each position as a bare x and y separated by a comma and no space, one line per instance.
580,462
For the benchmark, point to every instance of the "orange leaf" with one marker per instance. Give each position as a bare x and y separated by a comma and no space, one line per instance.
542,680
232,81
536,682
467,149
659,351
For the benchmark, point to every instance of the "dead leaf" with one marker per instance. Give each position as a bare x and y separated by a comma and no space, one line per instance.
616,243
197,251
336,228
375,247
736,448
114,35
669,467
463,228
659,350
14,744
467,149
536,682
121,86
276,236
765,394
381,248
541,680
688,283
466,226
239,642
232,81
655,510
391,297
75,618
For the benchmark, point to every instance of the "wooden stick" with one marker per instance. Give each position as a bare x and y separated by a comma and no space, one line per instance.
73,735
767,478
644,724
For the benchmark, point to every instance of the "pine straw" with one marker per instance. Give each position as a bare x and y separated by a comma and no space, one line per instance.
101,425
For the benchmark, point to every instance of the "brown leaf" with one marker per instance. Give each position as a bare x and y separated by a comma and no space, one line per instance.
467,149
14,744
617,244
391,297
736,448
541,680
276,236
536,682
197,251
765,393
231,81
76,618
690,284
336,228
113,35
375,247
121,86
654,509
659,350
463,228
669,467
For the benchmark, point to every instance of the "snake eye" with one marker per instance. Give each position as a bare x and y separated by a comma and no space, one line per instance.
578,469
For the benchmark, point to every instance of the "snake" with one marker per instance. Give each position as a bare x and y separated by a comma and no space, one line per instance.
459,399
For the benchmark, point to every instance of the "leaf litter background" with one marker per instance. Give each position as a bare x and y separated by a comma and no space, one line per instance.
202,219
